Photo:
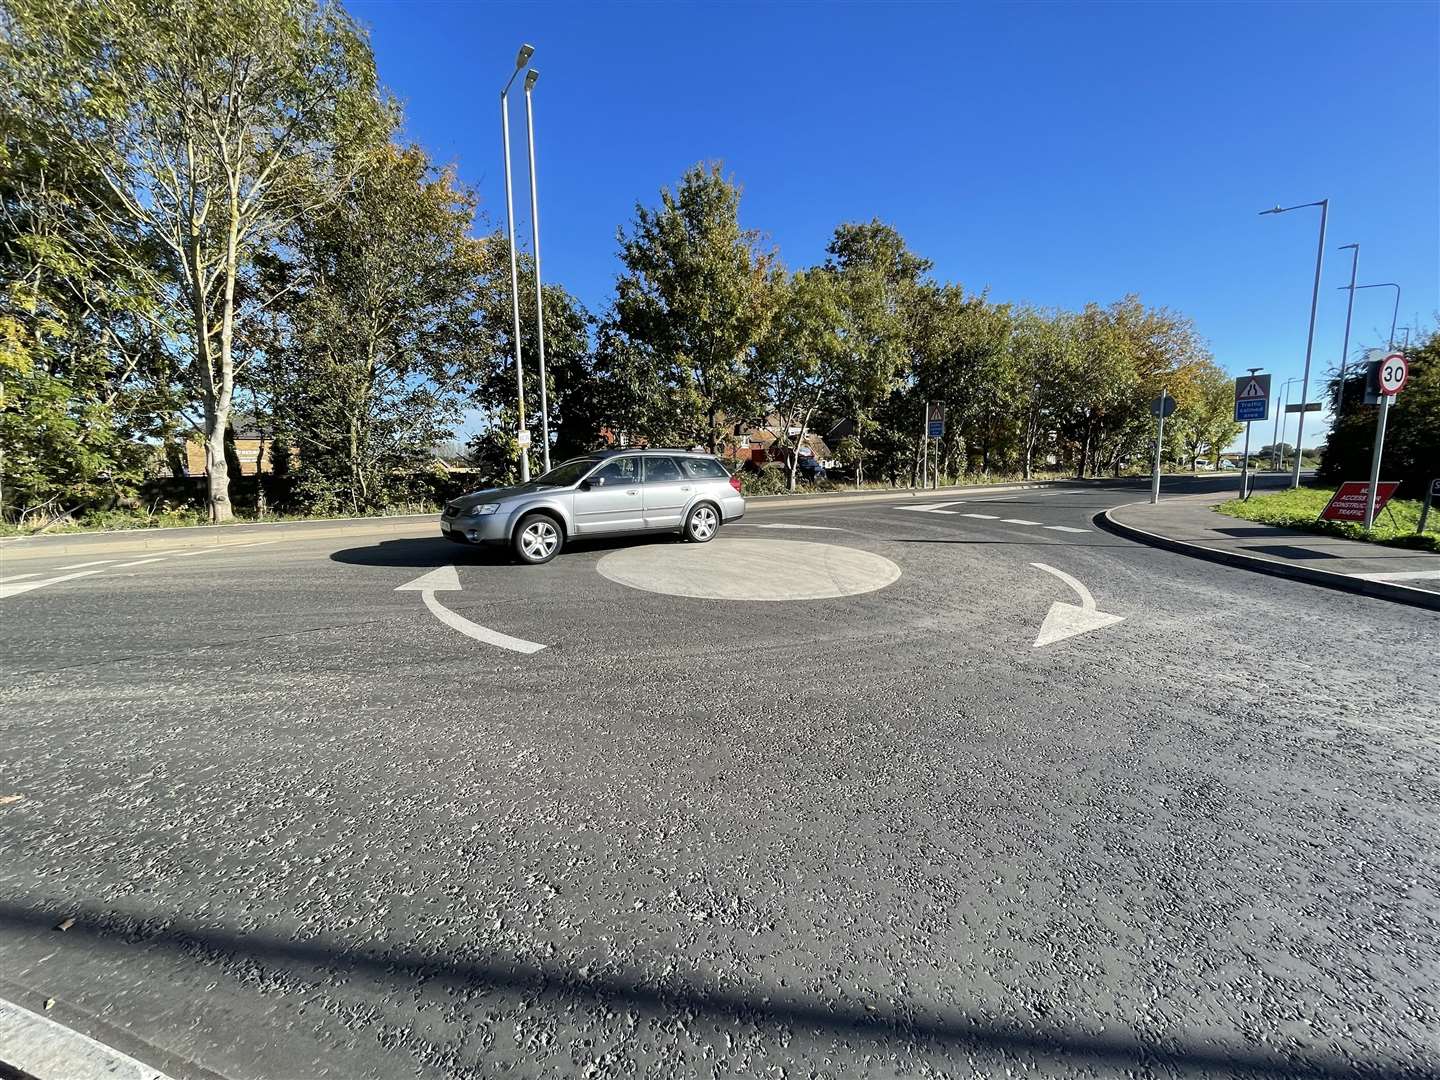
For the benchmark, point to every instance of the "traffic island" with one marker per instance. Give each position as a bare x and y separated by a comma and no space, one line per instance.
1190,525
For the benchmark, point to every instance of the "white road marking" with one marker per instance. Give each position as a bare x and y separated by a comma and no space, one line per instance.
82,565
987,517
1067,620
448,580
19,577
787,525
1406,575
928,508
1066,528
24,587
1018,521
137,562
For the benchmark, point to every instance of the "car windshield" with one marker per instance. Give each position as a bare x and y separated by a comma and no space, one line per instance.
566,473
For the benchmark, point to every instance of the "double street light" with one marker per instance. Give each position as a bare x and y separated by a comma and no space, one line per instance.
1324,205
522,59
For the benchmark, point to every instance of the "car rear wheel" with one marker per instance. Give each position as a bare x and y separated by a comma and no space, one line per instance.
702,523
537,539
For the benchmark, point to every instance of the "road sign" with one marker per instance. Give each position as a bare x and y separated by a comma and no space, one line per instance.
1309,406
1393,374
1252,398
523,438
1348,503
1162,406
935,419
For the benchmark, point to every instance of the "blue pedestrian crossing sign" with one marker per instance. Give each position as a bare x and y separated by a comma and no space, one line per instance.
1252,398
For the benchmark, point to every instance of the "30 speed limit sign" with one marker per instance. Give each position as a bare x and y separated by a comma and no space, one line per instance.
1393,373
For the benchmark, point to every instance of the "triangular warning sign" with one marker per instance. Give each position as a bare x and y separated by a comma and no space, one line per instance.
1253,389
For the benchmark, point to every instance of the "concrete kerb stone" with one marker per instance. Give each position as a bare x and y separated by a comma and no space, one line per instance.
1384,590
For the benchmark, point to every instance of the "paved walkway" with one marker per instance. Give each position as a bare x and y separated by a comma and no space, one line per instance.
1189,519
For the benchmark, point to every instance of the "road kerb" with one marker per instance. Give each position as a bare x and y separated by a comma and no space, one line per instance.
1384,590
37,1048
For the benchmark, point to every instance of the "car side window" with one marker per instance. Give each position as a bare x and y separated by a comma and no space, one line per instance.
702,468
623,470
660,469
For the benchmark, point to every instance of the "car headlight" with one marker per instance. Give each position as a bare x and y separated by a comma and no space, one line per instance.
482,510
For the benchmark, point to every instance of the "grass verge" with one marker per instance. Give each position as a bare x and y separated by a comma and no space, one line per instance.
1299,508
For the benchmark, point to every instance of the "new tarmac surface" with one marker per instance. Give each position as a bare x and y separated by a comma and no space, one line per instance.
955,788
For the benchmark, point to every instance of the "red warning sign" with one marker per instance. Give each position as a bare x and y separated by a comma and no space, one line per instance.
1348,504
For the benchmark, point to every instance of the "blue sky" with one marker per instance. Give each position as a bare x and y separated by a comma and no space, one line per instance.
1050,153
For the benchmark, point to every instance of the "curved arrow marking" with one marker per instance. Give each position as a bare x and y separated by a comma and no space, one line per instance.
1067,620
446,579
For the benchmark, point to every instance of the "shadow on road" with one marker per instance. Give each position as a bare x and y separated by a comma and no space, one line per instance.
430,552
561,985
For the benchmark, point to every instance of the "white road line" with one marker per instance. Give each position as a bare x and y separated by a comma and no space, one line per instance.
475,630
82,565
24,587
137,562
35,1045
1065,528
19,577
1018,521
928,508
1086,599
1406,575
787,525
221,547
987,517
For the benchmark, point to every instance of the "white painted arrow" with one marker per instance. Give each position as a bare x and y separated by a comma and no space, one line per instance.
446,579
1067,620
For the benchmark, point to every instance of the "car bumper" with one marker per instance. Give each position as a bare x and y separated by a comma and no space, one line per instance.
488,529
732,509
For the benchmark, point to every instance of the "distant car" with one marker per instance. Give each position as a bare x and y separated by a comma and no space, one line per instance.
605,493
811,469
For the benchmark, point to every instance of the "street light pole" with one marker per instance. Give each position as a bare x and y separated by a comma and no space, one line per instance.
1349,310
1277,458
1394,314
530,79
521,59
1324,205
1406,343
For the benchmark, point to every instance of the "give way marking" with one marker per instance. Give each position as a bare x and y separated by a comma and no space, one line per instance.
446,579
1067,620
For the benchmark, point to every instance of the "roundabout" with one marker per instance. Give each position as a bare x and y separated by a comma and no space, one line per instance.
752,570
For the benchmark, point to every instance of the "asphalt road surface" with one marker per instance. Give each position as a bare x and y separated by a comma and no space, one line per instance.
809,801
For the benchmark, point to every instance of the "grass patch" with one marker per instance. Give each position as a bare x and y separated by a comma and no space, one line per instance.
1298,509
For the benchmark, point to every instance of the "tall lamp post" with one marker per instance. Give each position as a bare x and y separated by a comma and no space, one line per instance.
1406,343
521,59
1395,314
1349,310
531,77
1324,205
1276,457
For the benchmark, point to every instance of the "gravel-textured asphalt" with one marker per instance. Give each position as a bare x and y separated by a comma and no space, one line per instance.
306,830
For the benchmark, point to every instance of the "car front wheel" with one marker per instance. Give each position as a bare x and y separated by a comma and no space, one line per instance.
702,523
537,539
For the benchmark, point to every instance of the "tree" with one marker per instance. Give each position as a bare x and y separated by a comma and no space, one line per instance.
1206,419
83,369
382,328
1412,428
210,126
695,296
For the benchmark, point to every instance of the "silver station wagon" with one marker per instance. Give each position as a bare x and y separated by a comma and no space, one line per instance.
600,494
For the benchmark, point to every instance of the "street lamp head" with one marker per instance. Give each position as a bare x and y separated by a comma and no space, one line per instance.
1273,210
523,56
531,78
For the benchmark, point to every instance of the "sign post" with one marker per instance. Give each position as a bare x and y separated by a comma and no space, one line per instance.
934,429
1160,408
1390,376
1430,493
1252,402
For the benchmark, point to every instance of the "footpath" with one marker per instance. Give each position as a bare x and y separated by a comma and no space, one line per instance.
1189,524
